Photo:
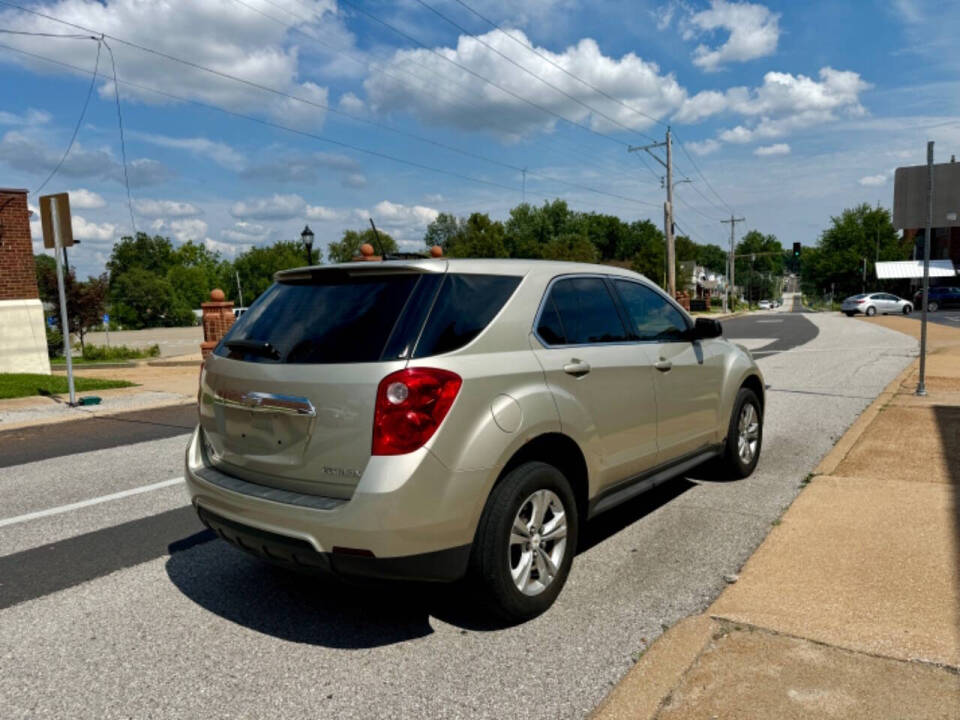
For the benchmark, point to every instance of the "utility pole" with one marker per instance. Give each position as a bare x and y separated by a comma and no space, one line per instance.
667,207
524,188
731,261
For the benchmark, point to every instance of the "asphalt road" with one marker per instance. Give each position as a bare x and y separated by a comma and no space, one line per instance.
125,607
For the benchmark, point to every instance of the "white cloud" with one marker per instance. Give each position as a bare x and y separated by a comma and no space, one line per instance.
215,33
405,223
219,152
166,208
181,230
874,180
704,147
777,149
85,230
632,80
352,104
30,117
754,32
277,207
319,212
247,233
85,200
22,151
308,169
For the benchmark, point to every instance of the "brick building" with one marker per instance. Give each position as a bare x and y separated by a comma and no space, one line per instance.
23,340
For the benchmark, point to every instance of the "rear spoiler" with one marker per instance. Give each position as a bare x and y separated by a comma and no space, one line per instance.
352,269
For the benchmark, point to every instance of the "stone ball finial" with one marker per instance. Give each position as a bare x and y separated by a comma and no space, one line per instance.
216,295
436,251
366,250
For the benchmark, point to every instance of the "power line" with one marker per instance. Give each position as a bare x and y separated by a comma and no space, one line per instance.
296,98
702,176
6,31
76,129
123,144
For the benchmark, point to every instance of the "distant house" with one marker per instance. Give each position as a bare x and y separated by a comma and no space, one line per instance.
700,281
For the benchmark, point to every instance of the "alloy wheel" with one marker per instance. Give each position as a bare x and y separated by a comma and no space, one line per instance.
538,541
748,433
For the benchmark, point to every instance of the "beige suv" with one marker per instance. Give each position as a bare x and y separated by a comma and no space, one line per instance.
435,419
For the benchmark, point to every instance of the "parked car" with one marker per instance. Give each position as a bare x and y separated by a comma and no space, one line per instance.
939,297
872,303
765,305
433,419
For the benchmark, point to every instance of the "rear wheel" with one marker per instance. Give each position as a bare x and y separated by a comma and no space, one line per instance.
849,314
871,311
525,541
744,435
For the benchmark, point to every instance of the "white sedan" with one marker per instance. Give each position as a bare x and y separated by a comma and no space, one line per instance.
872,303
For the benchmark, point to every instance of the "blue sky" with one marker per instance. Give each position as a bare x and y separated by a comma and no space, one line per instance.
787,112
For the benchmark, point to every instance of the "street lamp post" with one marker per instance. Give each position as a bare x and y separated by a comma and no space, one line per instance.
307,238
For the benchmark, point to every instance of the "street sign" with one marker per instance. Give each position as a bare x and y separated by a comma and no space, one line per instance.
61,202
910,197
106,319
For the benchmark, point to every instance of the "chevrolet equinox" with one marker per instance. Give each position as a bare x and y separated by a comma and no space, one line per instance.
436,419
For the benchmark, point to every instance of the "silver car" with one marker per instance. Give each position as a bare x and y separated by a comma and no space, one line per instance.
435,419
873,303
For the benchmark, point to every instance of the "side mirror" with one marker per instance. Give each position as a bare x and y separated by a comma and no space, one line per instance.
706,328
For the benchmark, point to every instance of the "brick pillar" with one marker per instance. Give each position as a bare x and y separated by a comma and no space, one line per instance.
683,298
23,340
217,320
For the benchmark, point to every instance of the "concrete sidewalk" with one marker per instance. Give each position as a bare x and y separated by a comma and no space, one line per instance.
851,606
159,383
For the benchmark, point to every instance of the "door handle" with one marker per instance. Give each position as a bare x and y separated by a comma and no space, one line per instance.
577,368
663,365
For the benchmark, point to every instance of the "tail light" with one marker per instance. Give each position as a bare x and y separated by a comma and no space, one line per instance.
411,404
860,302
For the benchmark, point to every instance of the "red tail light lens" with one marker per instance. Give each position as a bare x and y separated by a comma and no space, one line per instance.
411,404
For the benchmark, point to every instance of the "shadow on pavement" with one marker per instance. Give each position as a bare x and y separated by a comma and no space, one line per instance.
323,610
948,424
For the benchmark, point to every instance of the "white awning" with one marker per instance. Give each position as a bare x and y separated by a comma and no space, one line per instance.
914,269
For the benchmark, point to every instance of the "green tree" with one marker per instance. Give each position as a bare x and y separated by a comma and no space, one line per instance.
155,254
86,300
481,238
349,246
147,299
194,272
257,266
858,233
759,265
713,258
442,230
46,269
571,247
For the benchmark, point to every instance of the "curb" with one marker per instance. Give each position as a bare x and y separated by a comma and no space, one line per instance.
62,367
89,414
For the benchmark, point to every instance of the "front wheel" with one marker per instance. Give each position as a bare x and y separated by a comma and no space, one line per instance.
932,306
744,435
871,311
907,309
525,542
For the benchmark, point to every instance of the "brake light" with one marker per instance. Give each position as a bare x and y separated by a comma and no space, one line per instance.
411,404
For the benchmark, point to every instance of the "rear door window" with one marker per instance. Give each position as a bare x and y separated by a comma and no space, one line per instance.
464,307
580,311
329,317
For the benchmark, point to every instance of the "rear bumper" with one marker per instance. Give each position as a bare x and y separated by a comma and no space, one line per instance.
409,517
442,565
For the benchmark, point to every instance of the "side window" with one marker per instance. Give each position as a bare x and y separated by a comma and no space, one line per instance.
651,315
464,307
581,311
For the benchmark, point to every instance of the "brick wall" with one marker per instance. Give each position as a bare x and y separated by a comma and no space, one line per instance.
18,279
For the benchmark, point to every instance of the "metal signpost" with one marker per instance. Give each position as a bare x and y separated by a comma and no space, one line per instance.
921,385
58,234
106,327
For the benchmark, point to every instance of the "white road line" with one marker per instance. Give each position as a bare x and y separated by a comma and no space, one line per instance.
87,503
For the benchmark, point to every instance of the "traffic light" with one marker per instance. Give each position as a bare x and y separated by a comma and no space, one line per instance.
796,250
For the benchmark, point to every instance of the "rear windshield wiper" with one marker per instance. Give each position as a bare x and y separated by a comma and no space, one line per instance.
254,347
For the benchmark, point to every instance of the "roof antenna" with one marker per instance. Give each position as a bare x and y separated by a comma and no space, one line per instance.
377,235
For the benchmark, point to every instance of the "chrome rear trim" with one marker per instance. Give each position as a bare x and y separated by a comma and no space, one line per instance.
266,402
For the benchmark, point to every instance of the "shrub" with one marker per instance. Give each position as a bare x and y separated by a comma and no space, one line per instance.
118,352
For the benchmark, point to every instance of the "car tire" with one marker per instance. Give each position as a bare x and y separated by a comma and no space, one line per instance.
933,306
907,309
849,314
739,462
870,311
498,561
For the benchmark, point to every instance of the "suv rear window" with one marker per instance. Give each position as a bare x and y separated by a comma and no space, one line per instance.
339,317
